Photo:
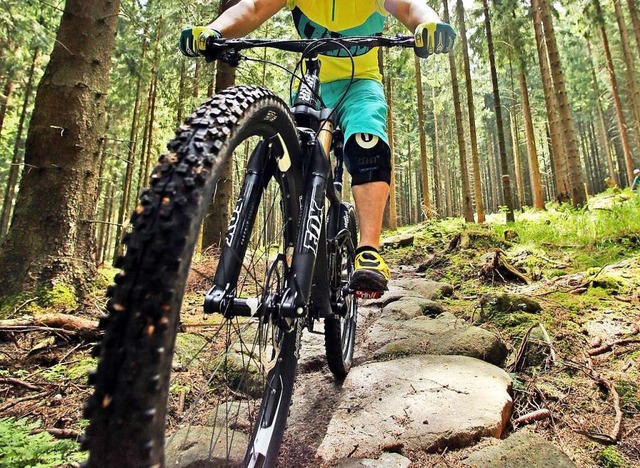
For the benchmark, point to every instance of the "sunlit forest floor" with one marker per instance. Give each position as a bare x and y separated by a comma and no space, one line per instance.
562,287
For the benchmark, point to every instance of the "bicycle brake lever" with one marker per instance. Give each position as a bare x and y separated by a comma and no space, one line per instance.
230,57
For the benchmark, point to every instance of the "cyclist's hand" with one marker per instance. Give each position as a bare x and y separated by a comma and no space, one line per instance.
193,41
434,38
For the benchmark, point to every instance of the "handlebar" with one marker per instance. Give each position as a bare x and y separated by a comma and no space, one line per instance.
217,46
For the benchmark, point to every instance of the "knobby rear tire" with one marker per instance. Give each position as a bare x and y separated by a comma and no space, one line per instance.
128,408
340,330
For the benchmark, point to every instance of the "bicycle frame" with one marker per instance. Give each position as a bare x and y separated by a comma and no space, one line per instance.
308,277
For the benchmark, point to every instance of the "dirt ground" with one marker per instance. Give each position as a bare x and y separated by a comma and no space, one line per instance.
585,371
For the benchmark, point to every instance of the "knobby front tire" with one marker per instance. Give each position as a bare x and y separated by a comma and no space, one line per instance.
128,409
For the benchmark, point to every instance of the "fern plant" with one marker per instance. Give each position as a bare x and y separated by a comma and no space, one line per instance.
20,447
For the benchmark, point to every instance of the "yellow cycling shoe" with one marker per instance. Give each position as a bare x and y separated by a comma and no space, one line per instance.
371,272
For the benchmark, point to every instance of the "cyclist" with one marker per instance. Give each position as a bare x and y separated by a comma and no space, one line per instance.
635,185
363,113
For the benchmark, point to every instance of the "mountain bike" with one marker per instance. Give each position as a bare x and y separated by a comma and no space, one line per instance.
285,265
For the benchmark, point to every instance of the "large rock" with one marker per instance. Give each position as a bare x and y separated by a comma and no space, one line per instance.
426,288
192,447
417,403
401,240
411,307
312,351
386,460
520,450
446,334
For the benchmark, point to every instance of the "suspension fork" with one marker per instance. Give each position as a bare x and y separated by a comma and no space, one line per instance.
220,297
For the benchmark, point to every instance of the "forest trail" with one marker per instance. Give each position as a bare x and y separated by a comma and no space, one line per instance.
422,381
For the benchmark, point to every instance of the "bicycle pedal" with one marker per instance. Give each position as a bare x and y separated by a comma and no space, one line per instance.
364,294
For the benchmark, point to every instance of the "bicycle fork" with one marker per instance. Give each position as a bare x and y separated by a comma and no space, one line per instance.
311,241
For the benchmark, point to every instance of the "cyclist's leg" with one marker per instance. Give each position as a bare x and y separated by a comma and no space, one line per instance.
362,116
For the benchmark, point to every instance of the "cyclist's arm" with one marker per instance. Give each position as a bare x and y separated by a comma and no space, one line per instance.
411,13
246,16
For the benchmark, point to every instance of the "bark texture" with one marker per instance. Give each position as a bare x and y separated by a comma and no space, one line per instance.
467,206
622,127
506,183
51,239
569,135
475,161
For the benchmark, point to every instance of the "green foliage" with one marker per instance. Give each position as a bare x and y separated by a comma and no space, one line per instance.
77,372
19,447
629,397
611,457
606,232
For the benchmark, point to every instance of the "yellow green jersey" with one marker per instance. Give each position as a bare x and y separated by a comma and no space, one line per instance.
340,18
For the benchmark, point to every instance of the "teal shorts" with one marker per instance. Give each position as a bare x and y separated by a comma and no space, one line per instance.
363,110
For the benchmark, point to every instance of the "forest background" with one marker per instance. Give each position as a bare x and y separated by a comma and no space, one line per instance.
544,92
538,107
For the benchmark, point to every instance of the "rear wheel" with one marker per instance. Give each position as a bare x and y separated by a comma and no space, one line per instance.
340,329
236,378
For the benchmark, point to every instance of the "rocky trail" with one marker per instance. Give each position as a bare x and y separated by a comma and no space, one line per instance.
423,381
484,352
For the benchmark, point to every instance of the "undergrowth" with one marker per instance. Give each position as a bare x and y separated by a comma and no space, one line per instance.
21,445
607,230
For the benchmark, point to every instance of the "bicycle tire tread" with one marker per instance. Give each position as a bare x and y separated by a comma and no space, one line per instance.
143,305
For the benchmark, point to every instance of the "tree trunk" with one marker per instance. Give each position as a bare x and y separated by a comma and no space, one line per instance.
16,161
180,103
603,134
477,184
635,20
506,183
51,238
428,210
147,140
534,167
576,182
4,100
131,154
219,211
437,169
632,81
624,137
515,149
447,171
464,171
558,158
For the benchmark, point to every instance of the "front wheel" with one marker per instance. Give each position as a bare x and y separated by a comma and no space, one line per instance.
340,329
227,368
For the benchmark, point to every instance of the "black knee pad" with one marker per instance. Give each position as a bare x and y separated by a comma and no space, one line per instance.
368,159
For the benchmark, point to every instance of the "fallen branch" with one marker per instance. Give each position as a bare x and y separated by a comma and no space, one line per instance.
537,415
548,341
521,350
616,431
498,266
60,433
622,299
18,383
605,348
61,323
14,402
